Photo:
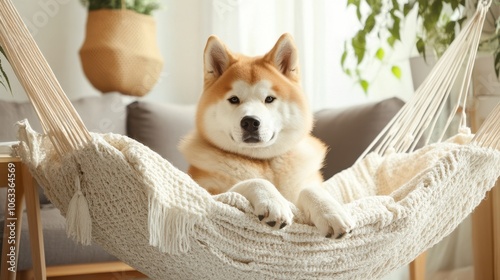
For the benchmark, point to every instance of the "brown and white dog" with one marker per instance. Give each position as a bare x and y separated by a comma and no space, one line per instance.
253,136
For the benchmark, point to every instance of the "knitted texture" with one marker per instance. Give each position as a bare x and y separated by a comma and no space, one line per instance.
402,203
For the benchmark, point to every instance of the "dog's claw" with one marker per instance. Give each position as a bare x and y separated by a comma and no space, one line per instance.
271,224
284,224
340,236
261,217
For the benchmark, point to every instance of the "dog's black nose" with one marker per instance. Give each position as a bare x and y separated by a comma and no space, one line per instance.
250,123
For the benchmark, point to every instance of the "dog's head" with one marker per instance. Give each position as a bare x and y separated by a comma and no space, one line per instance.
253,106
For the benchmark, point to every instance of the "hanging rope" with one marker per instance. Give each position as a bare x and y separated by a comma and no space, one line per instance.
417,120
58,118
488,134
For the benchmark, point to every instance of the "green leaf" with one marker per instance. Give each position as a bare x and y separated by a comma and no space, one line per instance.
344,56
3,84
3,74
376,6
450,26
380,54
450,32
455,4
353,2
395,4
364,85
395,29
437,7
391,41
396,71
358,13
3,52
497,61
421,46
431,18
139,6
370,23
359,45
422,6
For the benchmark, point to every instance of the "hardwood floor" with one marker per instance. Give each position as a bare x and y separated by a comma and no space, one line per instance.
96,271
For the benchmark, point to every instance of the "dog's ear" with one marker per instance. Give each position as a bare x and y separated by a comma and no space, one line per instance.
284,57
216,57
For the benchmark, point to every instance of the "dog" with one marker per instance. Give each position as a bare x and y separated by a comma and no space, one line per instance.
253,137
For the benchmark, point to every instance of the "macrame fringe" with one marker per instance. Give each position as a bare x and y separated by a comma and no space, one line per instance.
169,229
78,221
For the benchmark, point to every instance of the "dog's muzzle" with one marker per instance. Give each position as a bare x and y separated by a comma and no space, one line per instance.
250,126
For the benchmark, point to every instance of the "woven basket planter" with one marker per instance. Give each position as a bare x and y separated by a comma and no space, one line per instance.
120,52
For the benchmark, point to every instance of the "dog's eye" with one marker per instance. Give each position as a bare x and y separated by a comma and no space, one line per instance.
234,100
270,99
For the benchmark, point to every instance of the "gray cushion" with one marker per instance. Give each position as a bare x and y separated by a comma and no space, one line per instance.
349,131
160,127
104,113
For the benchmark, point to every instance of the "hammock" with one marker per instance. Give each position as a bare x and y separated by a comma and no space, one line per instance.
118,193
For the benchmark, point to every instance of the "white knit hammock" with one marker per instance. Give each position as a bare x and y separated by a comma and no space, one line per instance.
135,204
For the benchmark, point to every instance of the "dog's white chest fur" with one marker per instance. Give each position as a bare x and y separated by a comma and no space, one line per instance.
289,172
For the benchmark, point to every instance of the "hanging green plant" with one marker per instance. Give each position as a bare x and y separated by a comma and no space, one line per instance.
382,24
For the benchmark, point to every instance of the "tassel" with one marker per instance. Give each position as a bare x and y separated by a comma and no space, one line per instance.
78,221
169,229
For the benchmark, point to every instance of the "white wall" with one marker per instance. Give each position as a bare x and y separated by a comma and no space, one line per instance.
179,36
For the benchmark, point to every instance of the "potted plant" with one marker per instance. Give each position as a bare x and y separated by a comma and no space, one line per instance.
437,23
120,51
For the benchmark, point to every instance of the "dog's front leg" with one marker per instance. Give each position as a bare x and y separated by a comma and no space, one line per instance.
325,212
269,205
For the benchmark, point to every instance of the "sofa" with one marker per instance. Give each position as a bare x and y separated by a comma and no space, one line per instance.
347,132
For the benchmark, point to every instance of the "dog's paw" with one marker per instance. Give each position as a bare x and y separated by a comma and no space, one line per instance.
326,213
274,211
332,222
268,204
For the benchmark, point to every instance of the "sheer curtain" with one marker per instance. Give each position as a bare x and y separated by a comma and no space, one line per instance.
252,27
